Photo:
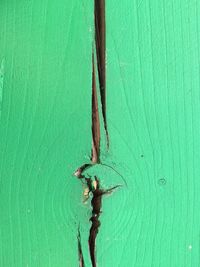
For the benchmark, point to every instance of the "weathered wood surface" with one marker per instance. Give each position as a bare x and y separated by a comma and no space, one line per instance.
153,120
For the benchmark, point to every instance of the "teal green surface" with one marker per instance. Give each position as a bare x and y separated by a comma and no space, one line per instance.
153,110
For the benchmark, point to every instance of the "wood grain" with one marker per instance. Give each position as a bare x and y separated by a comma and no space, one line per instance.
153,107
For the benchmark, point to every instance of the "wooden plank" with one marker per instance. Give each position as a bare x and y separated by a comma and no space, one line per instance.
152,113
44,129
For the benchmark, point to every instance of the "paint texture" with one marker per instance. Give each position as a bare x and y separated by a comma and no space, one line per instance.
152,108
1,82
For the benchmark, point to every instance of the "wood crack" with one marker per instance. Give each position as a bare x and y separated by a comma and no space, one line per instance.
100,40
80,253
93,185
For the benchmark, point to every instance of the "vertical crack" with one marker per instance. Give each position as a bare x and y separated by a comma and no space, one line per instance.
100,40
95,119
96,203
93,185
80,253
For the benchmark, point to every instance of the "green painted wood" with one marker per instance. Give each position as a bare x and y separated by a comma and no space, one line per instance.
45,108
153,107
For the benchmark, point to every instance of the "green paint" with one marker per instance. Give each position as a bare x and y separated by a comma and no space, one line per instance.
153,107
1,82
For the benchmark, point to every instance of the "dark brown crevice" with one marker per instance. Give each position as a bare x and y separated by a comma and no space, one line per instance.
93,186
80,253
96,204
100,40
95,119
79,172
